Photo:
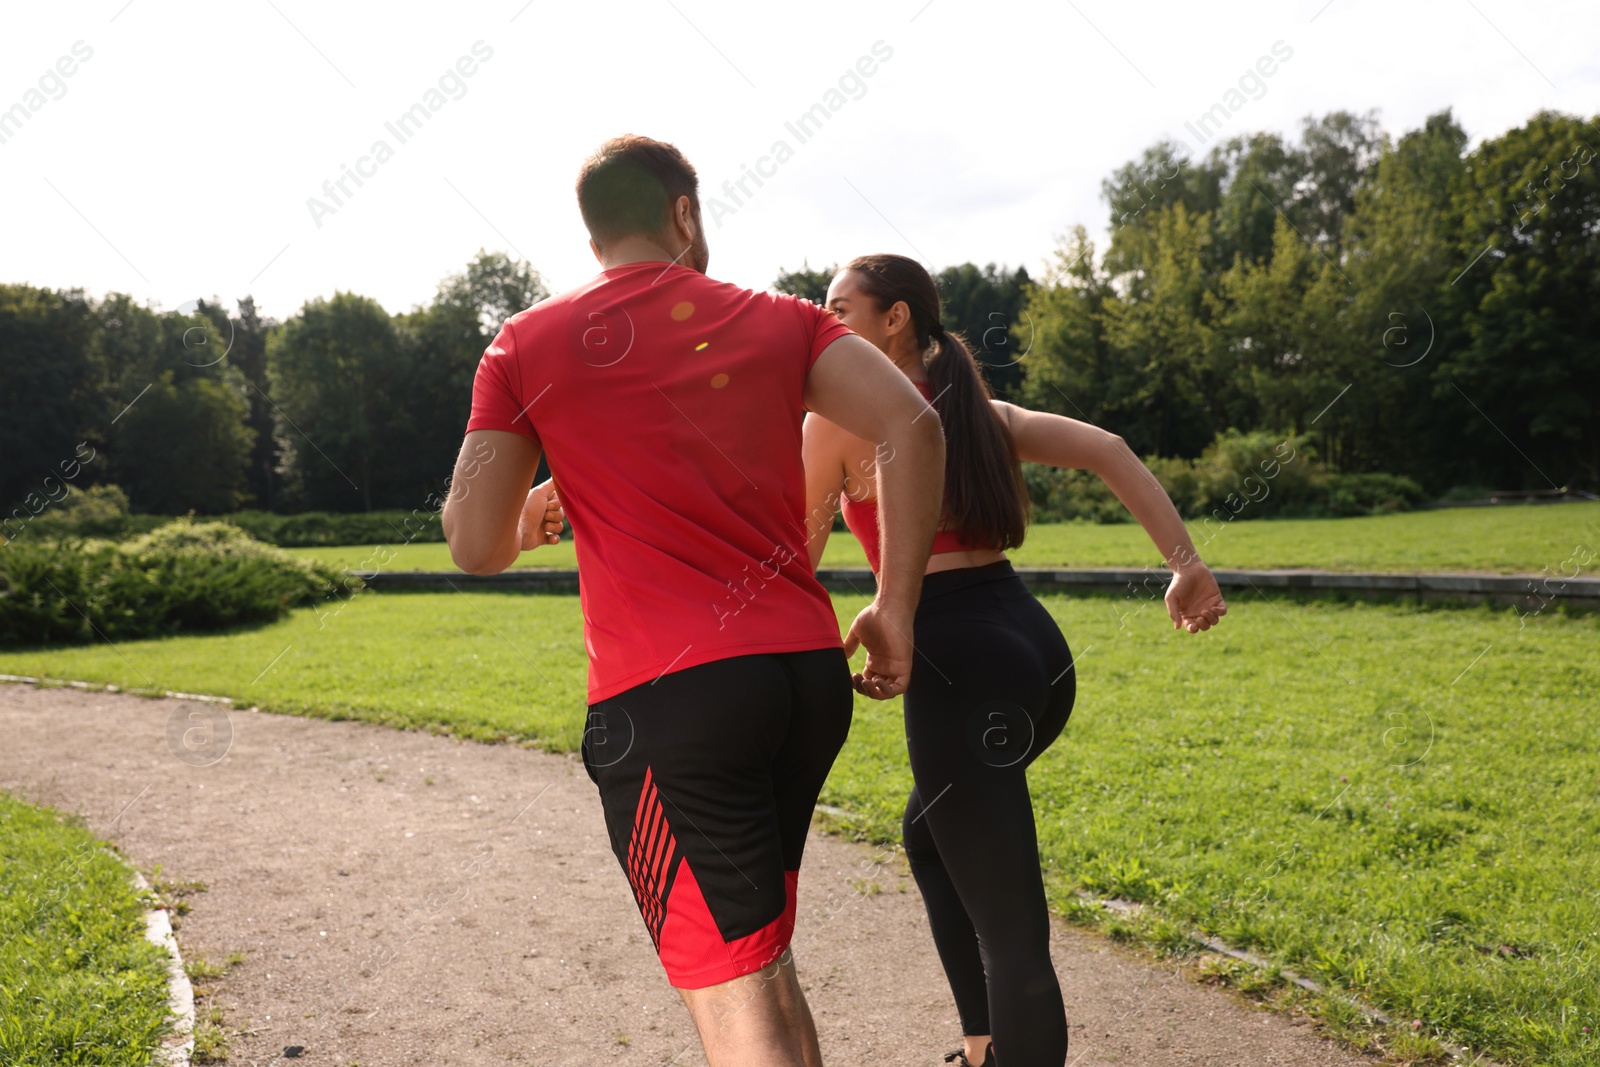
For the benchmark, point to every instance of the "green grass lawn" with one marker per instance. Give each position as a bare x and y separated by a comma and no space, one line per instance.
79,984
1512,539
1403,802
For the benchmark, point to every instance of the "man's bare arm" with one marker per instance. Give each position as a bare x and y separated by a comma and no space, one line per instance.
488,492
856,387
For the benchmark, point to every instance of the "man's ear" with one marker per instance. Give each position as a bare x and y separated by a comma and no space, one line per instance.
595,249
683,218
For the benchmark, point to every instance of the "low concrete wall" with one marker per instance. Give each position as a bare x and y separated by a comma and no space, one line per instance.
1530,593
528,581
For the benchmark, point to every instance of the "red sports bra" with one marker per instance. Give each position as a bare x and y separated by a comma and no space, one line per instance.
862,518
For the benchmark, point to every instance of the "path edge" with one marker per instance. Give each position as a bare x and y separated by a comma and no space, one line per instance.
1205,943
107,687
157,924
180,993
157,928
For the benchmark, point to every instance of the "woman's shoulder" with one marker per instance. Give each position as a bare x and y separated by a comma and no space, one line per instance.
1006,410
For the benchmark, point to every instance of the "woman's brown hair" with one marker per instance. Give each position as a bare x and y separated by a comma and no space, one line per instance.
985,501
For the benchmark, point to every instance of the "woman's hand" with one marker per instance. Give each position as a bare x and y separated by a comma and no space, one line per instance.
542,517
1194,601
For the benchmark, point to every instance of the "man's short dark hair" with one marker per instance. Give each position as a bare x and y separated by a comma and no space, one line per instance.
628,187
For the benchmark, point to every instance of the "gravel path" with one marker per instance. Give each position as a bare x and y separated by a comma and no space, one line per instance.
401,898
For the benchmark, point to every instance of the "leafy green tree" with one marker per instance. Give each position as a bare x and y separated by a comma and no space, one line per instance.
51,390
1160,332
986,305
1165,175
439,352
185,446
1524,388
810,284
495,286
1071,367
371,407
334,367
1340,151
1277,359
177,438
135,346
1246,185
1263,172
1131,354
244,339
1404,318
440,349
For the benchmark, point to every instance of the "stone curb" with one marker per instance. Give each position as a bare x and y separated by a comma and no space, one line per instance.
104,687
1214,945
180,994
1530,592
157,925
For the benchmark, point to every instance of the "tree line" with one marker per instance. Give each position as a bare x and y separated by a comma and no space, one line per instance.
1417,307
343,407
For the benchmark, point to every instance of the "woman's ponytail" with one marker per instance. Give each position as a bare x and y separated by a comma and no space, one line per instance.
985,500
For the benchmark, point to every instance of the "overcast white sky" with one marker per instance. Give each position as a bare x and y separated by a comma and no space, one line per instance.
177,160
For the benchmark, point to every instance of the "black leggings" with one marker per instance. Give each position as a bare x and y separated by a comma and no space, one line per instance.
992,687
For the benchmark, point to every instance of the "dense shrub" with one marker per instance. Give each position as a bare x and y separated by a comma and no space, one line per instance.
1467,493
1243,475
1066,496
1369,494
332,528
102,512
183,576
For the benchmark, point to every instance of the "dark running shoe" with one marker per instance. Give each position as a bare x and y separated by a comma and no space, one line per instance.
959,1057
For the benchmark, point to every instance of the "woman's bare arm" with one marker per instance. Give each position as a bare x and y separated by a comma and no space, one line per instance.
823,450
1194,601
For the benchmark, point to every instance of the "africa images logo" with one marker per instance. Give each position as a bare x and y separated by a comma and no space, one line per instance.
803,128
403,128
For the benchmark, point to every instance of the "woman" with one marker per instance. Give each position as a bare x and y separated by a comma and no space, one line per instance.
994,681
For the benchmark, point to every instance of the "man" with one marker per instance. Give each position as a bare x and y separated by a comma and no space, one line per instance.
669,408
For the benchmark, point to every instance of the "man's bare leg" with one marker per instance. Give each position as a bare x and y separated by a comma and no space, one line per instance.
759,1020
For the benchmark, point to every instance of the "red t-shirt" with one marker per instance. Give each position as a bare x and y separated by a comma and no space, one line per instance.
669,408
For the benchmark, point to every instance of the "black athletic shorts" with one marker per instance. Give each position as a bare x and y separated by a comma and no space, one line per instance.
708,777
